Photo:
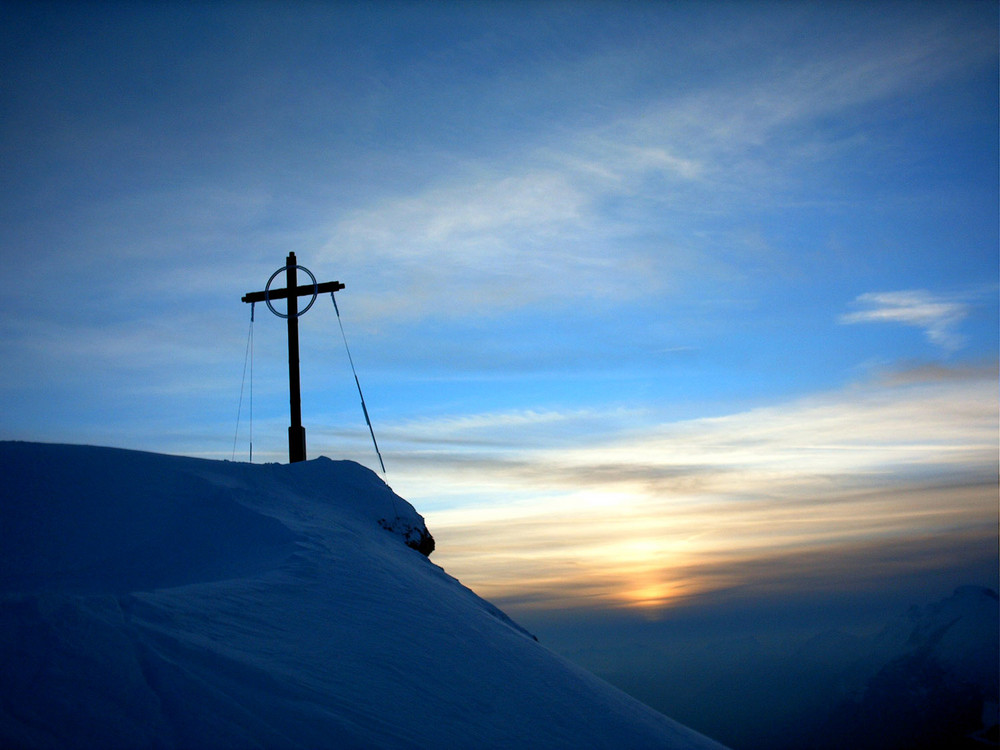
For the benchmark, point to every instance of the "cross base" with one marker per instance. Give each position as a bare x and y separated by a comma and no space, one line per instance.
296,443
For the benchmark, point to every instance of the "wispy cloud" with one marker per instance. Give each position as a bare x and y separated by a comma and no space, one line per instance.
937,315
762,500
535,223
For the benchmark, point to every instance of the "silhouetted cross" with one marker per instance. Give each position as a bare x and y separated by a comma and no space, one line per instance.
296,432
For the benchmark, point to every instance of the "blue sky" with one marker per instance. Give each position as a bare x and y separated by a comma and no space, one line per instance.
655,305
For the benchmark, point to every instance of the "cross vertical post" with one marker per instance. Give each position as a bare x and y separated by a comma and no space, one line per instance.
296,432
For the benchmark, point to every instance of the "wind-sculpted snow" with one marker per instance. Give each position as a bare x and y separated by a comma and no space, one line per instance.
111,521
166,602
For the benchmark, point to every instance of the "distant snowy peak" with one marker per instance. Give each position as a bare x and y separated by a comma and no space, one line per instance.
960,634
937,683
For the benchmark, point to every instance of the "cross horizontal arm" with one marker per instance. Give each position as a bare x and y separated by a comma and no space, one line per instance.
299,291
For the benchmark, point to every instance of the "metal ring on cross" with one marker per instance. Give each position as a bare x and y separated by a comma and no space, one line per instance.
267,292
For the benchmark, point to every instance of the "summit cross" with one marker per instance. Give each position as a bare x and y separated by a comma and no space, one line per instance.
292,292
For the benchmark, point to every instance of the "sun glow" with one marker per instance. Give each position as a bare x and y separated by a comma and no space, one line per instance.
655,595
627,526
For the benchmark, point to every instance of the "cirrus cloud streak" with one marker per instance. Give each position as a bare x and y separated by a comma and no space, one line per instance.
800,495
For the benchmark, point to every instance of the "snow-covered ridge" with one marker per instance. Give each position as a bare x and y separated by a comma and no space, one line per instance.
170,602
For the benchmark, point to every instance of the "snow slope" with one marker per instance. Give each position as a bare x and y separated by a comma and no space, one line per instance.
167,602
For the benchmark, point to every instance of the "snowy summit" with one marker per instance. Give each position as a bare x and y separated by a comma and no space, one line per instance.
153,601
